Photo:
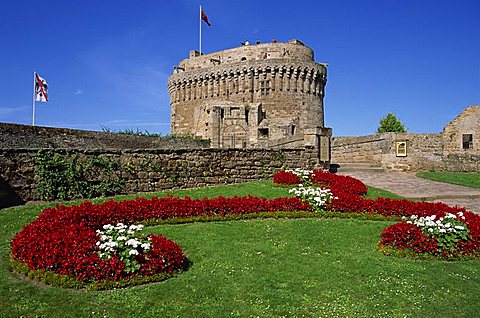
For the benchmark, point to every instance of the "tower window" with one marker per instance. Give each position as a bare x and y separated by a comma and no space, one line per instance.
467,141
265,87
262,132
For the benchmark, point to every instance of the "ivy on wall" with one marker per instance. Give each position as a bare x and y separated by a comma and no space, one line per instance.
65,177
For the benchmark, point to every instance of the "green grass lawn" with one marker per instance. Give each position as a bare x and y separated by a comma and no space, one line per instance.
265,268
468,179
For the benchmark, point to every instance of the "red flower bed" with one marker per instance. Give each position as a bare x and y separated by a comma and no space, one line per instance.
403,235
339,184
406,236
349,193
336,183
286,178
389,207
63,239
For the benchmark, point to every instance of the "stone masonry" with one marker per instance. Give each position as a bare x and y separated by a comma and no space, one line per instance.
253,96
149,170
457,148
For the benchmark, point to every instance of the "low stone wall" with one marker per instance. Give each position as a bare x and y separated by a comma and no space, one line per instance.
424,152
13,136
154,170
363,149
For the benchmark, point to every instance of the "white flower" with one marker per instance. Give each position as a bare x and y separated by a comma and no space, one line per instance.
133,252
122,238
145,246
442,231
430,230
133,242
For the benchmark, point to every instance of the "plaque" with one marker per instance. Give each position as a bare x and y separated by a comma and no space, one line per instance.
401,148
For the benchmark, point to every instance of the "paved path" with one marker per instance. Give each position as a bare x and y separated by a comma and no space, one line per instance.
409,186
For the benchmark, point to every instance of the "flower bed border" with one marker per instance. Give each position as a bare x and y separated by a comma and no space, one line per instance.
411,254
58,280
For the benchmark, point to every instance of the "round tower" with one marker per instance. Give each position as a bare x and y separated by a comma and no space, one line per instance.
260,95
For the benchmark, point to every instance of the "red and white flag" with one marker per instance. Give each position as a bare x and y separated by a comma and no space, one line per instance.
204,17
41,89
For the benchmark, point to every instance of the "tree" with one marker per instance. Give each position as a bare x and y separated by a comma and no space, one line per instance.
390,124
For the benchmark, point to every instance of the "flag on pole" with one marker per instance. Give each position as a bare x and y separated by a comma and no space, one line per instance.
204,17
41,89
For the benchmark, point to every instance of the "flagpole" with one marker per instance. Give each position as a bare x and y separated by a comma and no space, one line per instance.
33,102
200,24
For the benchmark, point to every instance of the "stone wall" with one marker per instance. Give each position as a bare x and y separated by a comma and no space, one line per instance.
445,151
424,152
13,136
155,170
468,122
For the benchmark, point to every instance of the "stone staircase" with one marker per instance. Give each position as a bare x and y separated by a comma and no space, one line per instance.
342,167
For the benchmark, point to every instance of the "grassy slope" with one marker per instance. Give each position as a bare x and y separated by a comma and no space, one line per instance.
468,179
262,267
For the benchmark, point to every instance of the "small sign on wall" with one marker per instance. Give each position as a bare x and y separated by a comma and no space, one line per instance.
401,148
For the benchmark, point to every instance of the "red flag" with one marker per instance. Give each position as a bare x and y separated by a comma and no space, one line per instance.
204,17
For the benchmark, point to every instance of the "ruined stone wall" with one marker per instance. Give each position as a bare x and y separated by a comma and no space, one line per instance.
468,122
424,152
446,151
155,170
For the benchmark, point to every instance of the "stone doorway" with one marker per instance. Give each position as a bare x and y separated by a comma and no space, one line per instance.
234,137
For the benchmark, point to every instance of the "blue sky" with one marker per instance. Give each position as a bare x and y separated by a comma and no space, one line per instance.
107,62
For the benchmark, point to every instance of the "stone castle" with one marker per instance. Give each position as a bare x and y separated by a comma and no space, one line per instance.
266,95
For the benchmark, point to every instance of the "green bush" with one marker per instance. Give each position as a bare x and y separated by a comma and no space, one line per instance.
64,177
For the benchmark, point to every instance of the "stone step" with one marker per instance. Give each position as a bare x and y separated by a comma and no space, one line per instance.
349,166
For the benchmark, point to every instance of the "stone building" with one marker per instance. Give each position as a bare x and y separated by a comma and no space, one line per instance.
462,134
255,96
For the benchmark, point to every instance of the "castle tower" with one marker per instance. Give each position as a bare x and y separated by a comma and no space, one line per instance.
260,95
